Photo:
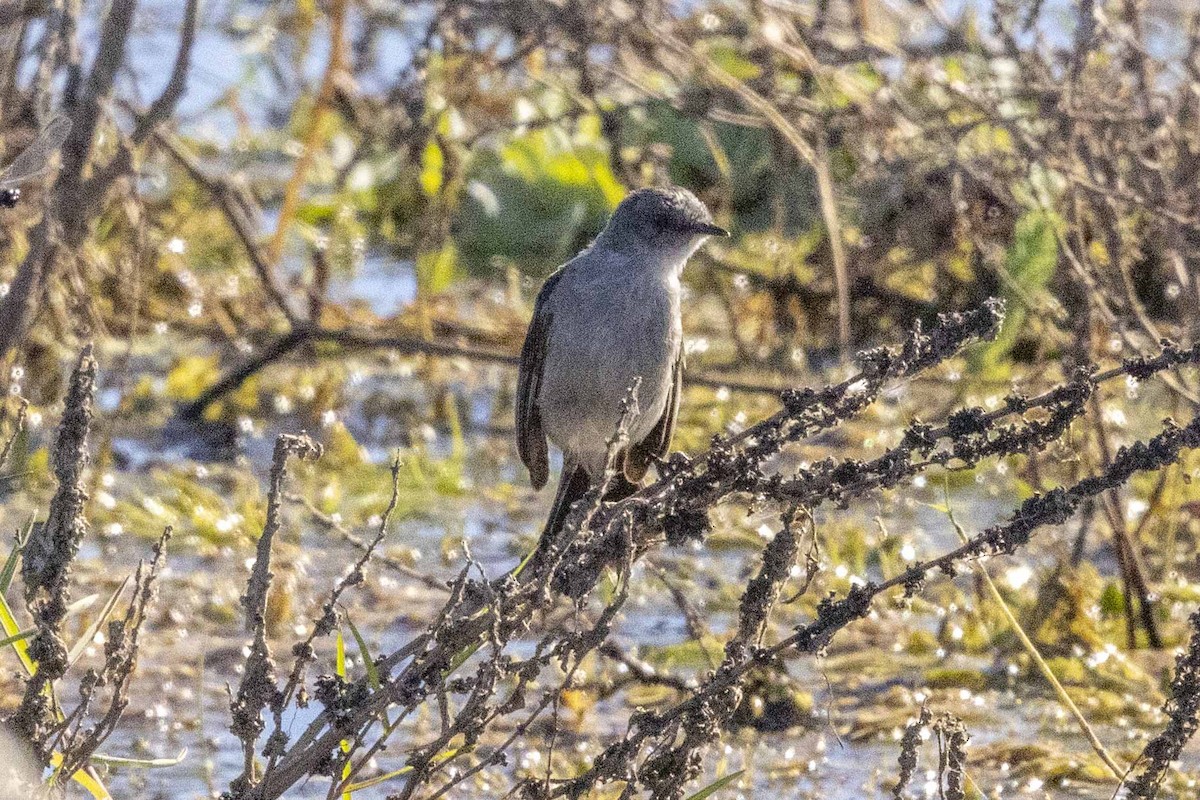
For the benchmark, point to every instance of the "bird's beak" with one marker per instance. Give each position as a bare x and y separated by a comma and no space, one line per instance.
709,229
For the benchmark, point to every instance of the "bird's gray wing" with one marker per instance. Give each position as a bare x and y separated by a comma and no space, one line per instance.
531,437
658,442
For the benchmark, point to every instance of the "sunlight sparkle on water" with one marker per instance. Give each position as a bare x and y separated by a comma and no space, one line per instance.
1018,576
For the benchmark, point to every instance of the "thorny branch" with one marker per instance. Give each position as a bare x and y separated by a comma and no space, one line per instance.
49,553
1183,709
257,689
304,652
465,651
491,613
46,571
120,659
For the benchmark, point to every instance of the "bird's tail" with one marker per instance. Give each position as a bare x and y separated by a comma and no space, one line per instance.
573,485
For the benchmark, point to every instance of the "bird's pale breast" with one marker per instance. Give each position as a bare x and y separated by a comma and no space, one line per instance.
603,335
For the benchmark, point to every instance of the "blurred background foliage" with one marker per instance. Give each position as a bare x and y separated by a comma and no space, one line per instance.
1043,153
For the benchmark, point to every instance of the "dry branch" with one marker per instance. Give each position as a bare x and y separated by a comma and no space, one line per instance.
1183,711
49,553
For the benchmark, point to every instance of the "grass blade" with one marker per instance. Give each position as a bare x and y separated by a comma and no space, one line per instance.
717,785
368,662
387,776
14,556
11,629
93,785
84,778
140,763
1036,656
340,669
25,634
88,635
365,654
378,779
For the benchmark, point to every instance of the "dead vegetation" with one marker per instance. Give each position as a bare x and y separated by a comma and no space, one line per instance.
465,652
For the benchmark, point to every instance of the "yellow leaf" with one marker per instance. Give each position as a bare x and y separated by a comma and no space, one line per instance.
190,376
93,785
577,700
432,162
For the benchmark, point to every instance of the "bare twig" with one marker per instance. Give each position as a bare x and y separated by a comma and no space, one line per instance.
257,689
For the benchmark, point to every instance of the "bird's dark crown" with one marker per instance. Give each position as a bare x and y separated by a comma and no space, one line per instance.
664,214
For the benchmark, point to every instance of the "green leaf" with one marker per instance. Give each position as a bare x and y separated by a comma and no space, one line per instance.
436,270
368,662
536,198
1034,253
717,785
25,634
14,556
1028,267
1112,601
11,629
691,654
190,376
733,62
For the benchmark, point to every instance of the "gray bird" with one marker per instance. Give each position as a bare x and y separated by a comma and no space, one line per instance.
607,316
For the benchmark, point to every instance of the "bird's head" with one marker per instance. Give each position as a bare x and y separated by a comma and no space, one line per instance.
665,219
